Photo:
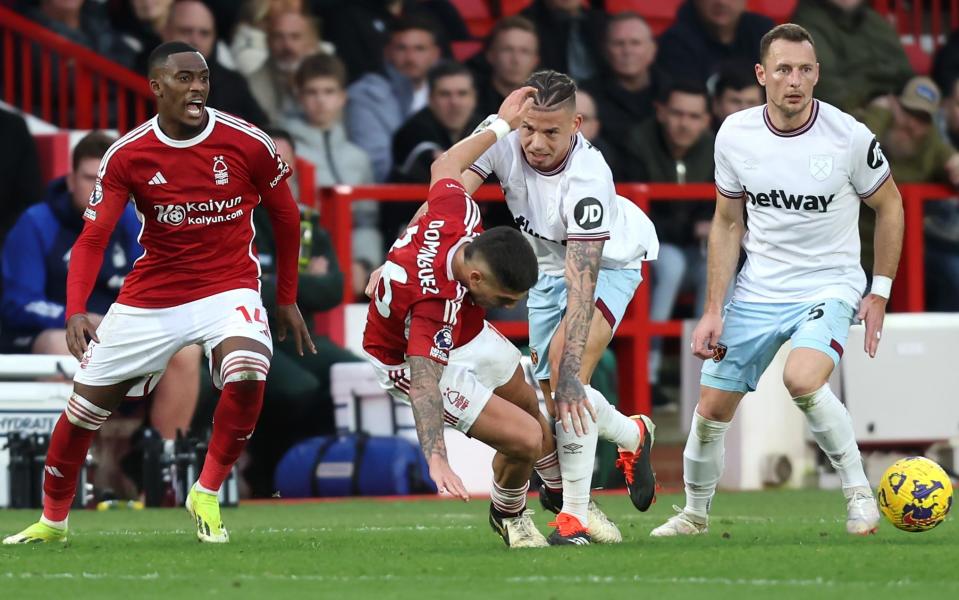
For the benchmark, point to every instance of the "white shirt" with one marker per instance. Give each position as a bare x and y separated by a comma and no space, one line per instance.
576,201
802,190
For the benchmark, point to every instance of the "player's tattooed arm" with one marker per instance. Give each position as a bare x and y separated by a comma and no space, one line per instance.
427,404
582,270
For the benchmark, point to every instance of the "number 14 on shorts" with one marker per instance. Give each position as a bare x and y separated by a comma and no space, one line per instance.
257,317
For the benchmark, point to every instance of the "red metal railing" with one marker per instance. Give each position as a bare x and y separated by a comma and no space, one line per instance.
911,16
632,339
91,91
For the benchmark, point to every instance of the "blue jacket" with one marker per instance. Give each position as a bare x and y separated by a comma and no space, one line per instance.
377,106
36,255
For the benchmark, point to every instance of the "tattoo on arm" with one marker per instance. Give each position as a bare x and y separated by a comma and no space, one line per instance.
427,404
582,270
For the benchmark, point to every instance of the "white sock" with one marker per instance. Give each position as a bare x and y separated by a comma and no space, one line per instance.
703,463
509,502
613,425
831,425
548,470
204,490
577,456
55,524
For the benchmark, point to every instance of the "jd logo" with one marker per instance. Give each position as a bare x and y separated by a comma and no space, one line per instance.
588,213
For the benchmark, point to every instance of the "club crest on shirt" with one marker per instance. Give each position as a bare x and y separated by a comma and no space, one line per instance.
820,166
220,173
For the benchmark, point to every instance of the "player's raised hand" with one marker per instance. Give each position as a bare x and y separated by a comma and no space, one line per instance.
872,312
706,336
447,482
373,282
289,319
572,405
79,327
516,105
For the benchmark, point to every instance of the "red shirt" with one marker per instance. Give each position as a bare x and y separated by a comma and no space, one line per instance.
195,199
419,309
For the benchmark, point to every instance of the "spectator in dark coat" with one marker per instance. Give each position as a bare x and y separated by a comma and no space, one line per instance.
707,33
192,22
20,182
360,28
82,23
570,36
624,92
511,56
141,23
735,88
450,116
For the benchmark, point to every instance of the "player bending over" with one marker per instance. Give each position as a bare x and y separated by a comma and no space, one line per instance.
590,245
195,175
428,340
801,168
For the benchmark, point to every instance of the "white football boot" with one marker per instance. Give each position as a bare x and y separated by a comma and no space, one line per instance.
601,529
518,532
682,523
862,514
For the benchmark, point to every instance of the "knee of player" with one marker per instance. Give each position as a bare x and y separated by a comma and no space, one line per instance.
529,445
244,366
801,384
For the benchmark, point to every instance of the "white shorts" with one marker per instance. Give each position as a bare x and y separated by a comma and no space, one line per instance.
474,370
137,343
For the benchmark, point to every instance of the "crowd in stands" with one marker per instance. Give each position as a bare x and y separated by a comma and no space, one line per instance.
370,91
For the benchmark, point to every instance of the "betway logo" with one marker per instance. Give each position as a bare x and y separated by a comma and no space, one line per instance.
780,199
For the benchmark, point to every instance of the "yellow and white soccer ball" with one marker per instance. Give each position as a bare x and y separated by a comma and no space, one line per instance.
915,494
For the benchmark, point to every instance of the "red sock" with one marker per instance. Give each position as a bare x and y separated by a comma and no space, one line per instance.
68,449
233,424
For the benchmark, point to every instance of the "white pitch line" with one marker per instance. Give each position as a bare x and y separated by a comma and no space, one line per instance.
278,530
533,579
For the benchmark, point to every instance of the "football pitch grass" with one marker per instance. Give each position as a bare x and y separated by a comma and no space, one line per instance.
789,544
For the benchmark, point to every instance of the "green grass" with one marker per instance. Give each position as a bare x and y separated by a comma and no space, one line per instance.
761,545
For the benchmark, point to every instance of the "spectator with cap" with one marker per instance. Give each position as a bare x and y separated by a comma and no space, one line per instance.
380,102
735,89
570,36
192,22
511,56
859,52
291,37
706,34
624,91
918,153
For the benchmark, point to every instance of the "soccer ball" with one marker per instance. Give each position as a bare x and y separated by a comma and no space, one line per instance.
915,494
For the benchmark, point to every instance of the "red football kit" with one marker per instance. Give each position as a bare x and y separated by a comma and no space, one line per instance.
418,308
195,199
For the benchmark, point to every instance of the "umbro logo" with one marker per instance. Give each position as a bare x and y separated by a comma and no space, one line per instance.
573,448
157,179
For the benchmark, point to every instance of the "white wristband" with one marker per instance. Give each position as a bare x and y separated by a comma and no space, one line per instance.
495,124
881,286
500,127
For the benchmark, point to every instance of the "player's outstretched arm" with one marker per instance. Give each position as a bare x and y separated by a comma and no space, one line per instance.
452,163
725,237
888,243
428,413
582,269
